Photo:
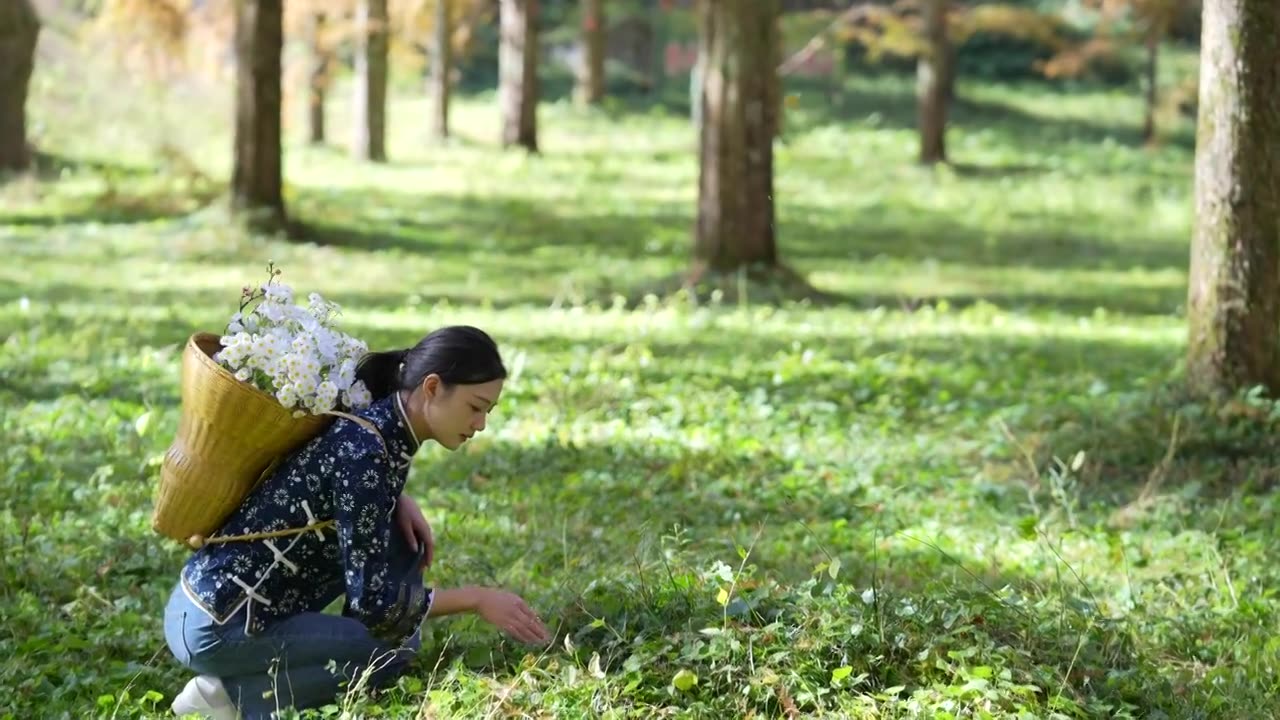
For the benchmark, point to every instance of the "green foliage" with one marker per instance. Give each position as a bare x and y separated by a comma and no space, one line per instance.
963,489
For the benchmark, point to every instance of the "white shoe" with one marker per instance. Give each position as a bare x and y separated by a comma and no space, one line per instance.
205,695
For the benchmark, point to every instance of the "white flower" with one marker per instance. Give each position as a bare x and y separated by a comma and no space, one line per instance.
303,344
327,344
326,394
271,312
278,293
346,374
287,395
304,368
305,386
353,347
295,353
271,348
358,396
869,596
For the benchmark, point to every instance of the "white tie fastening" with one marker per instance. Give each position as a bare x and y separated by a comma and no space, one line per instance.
250,591
311,520
280,558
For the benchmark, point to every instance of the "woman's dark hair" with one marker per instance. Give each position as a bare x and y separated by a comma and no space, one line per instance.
459,354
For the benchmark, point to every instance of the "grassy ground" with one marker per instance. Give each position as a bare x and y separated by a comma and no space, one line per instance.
965,489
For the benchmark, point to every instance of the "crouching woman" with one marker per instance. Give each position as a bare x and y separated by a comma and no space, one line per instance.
247,611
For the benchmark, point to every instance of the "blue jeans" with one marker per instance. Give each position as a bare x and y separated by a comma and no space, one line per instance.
292,664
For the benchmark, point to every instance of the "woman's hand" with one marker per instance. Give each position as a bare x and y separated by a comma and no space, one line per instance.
415,528
509,613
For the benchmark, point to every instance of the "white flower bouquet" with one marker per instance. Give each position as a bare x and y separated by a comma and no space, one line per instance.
271,382
291,352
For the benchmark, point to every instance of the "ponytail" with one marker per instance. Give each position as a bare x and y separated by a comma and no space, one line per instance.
380,372
459,354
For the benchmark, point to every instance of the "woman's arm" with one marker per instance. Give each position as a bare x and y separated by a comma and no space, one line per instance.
455,600
505,611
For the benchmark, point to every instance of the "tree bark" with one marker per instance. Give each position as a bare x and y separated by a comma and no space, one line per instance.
518,73
368,140
318,78
590,89
256,173
19,31
441,68
1153,58
933,80
739,41
1234,283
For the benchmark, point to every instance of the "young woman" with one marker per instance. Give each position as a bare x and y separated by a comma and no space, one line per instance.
246,613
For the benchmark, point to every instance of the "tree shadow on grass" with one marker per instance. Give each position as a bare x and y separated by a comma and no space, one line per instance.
885,107
512,235
919,235
473,225
123,200
113,209
48,166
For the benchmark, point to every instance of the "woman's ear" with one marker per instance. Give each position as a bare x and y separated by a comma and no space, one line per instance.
430,386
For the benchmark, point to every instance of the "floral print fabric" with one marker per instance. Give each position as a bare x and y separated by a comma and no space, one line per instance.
343,474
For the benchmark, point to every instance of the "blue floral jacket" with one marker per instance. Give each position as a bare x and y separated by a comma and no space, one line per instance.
343,474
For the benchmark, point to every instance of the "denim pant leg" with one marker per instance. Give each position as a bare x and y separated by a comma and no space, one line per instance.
305,661
288,665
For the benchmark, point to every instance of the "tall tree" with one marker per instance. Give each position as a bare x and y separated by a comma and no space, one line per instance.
590,87
518,73
369,131
256,175
739,43
441,69
1121,22
1234,284
321,61
19,30
1157,16
934,80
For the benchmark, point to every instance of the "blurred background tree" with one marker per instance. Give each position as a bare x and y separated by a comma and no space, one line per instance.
19,31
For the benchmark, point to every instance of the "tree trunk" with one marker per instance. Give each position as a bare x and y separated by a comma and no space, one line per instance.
1234,284
1153,57
518,73
590,89
933,77
256,174
695,92
19,30
441,67
368,140
949,79
739,41
318,81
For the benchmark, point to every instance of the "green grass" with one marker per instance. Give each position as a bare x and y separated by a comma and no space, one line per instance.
872,508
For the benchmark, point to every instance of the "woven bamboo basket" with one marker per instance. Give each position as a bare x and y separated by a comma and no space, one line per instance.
229,433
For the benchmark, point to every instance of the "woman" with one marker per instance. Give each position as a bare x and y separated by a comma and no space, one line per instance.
247,613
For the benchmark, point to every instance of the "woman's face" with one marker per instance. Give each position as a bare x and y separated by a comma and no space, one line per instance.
457,412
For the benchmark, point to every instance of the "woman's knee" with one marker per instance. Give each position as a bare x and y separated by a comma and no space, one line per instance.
394,661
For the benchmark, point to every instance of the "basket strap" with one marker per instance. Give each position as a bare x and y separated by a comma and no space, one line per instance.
367,425
198,541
